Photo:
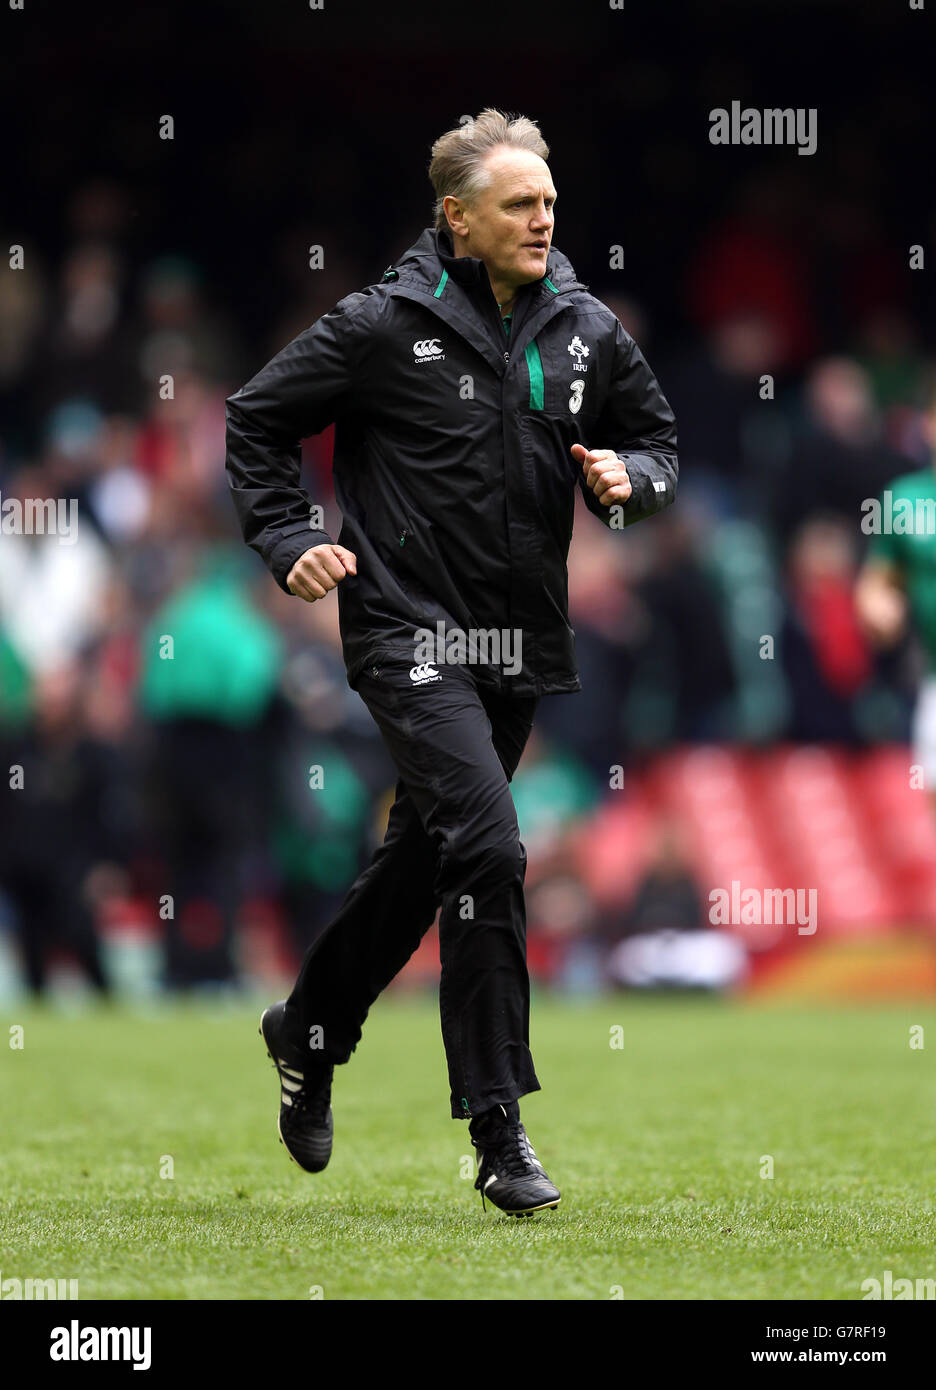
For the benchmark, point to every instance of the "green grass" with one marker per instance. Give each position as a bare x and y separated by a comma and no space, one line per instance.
657,1147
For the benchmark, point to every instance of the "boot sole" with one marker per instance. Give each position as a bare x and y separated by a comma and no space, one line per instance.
528,1211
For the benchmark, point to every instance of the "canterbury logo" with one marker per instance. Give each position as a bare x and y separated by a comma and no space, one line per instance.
427,347
419,675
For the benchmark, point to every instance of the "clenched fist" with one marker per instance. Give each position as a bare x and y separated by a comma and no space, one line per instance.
319,570
605,474
881,607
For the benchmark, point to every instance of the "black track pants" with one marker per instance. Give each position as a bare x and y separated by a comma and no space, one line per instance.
452,839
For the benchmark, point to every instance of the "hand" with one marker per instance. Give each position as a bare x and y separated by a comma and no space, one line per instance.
319,570
882,612
605,474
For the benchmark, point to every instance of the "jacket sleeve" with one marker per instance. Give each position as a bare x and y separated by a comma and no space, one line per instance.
637,423
300,392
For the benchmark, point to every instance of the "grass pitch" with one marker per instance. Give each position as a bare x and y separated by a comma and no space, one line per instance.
658,1146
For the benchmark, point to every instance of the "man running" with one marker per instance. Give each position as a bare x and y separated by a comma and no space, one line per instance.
471,390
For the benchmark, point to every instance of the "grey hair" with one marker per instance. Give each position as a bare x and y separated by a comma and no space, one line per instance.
457,166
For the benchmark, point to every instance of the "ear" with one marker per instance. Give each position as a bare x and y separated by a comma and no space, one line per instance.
455,210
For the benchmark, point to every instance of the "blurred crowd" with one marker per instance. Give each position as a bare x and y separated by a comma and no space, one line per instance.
176,793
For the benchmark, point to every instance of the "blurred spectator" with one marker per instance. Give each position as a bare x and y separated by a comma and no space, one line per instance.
666,941
731,440
86,345
889,352
180,333
841,457
754,266
322,829
611,628
65,844
52,586
688,666
825,654
667,895
209,669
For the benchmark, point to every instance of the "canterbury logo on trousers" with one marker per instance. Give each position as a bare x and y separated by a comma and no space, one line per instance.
419,675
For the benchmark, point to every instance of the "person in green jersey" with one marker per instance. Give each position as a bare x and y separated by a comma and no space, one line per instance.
897,584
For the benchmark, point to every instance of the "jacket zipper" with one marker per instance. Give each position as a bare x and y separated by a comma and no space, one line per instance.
548,319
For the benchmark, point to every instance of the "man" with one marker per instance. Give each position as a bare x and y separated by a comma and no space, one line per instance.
462,387
897,583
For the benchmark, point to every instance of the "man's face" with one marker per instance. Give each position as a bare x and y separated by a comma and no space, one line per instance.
510,224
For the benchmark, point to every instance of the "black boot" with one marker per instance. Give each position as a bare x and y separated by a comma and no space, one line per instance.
305,1118
509,1173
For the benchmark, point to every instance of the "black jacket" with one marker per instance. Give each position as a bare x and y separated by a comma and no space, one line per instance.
452,468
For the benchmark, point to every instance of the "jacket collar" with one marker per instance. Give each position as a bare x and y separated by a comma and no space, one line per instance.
429,271
467,271
433,252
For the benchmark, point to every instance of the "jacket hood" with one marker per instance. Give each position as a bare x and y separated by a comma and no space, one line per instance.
422,265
